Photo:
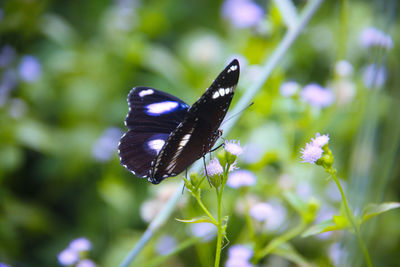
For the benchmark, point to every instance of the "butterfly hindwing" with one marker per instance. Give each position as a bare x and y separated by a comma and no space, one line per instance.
152,116
198,132
137,150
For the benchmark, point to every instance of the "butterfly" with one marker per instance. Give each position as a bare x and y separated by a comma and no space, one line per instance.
166,135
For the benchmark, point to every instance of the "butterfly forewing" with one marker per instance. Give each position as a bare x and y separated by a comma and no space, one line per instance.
196,135
152,116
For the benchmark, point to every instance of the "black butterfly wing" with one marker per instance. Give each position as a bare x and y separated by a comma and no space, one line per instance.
152,116
198,132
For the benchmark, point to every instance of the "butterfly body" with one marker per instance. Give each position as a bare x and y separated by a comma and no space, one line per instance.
166,135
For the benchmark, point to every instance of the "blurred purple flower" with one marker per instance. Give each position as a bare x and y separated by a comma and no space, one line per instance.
233,147
29,69
7,55
205,230
338,254
311,153
80,244
241,178
104,148
252,153
7,83
317,96
320,140
374,76
242,13
86,263
273,214
240,252
1,18
68,257
304,190
373,37
343,68
214,168
3,264
239,256
289,88
165,245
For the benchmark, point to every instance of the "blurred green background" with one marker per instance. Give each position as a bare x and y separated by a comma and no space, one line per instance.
66,68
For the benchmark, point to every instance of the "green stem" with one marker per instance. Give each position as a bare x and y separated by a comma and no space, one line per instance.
205,209
276,242
219,227
351,219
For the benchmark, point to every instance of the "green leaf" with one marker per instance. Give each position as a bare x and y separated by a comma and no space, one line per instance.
196,220
341,221
372,210
322,227
287,251
297,203
307,210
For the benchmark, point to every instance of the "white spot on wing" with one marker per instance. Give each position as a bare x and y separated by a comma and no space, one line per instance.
146,92
215,95
227,90
162,107
221,91
156,144
233,68
184,140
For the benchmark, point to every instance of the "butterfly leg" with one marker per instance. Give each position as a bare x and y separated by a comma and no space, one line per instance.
205,170
218,147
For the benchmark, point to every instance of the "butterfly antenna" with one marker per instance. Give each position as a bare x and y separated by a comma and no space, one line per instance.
234,115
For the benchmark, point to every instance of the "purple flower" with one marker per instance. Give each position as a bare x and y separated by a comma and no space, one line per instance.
7,55
242,13
165,245
205,230
7,83
240,252
214,168
241,178
343,68
237,263
320,140
233,147
252,153
239,256
373,37
311,153
273,214
374,76
104,148
68,257
289,88
338,254
80,244
30,69
86,263
3,264
317,96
